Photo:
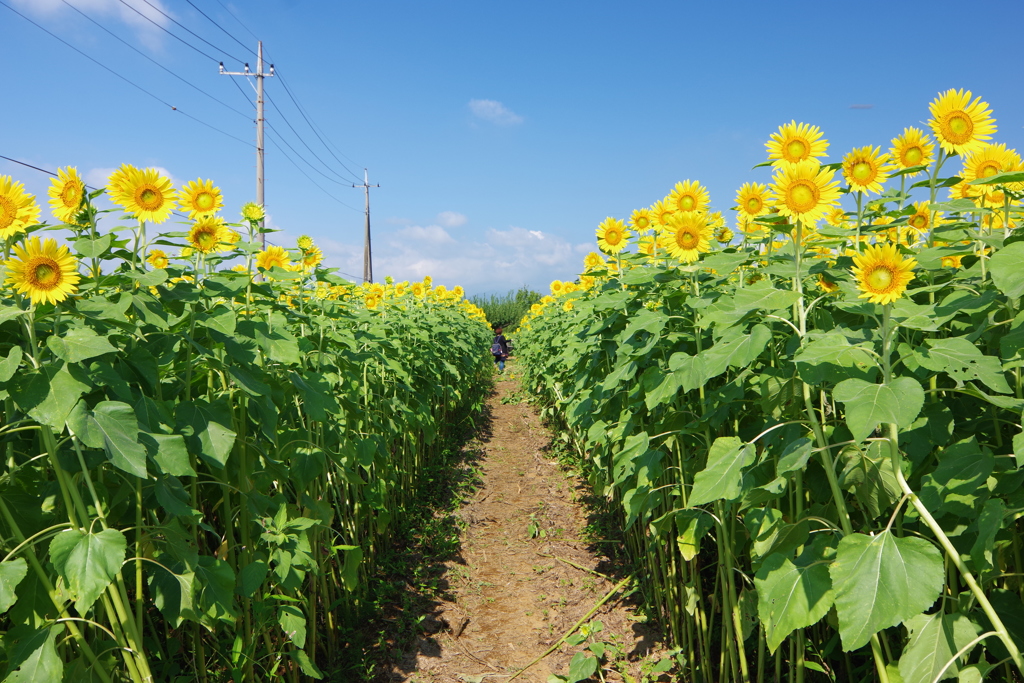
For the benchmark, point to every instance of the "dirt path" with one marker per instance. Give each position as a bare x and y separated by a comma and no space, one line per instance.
512,591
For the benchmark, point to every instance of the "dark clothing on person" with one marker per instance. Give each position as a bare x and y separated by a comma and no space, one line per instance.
499,359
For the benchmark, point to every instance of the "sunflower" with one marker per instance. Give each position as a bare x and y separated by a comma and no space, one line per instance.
651,243
804,191
312,257
836,216
228,239
953,261
253,212
557,288
305,242
145,194
207,234
458,291
961,126
47,273
723,235
866,168
567,306
688,236
795,142
18,209
118,178
882,273
752,200
612,235
427,281
158,259
826,285
200,198
688,196
587,281
641,220
913,148
273,256
660,212
986,162
748,227
921,219
66,194
417,290
371,301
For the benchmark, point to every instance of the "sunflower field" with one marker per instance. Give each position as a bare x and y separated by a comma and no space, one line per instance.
202,452
811,433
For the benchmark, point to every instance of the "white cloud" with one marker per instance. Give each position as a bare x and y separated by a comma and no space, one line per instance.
142,17
487,261
495,112
451,219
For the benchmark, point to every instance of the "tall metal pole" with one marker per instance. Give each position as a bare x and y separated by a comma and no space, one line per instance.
259,122
367,255
259,135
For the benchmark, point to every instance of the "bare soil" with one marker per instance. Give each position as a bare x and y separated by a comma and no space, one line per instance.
526,569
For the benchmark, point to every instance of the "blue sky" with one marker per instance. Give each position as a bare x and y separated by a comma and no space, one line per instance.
501,133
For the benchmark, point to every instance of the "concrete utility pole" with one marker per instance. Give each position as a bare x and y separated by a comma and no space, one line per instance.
367,258
259,121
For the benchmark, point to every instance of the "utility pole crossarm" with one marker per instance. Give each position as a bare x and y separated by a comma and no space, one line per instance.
259,121
367,256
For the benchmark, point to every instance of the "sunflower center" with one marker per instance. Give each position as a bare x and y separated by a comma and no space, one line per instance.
8,212
880,279
796,149
205,201
206,240
913,156
802,196
959,127
149,198
919,221
642,223
71,196
613,237
988,170
688,240
687,203
863,172
45,273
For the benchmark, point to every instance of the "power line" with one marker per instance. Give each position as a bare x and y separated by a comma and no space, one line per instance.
229,35
235,17
123,78
177,23
312,127
172,35
288,123
299,155
299,168
143,54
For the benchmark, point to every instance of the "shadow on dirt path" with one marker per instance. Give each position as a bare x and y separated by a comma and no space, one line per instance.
524,570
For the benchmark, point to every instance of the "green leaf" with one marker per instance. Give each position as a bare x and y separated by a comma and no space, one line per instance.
737,353
690,370
11,574
89,562
317,395
763,295
169,452
93,248
350,570
48,395
216,581
293,623
795,456
120,430
832,358
868,405
934,640
10,364
1005,177
207,429
723,476
990,521
581,667
961,476
691,525
881,581
173,593
790,596
963,362
307,666
1006,272
251,578
80,343
34,658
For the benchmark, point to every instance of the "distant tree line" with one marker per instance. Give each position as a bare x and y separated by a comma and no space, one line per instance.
508,309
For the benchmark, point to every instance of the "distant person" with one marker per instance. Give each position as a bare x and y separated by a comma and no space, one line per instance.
499,348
